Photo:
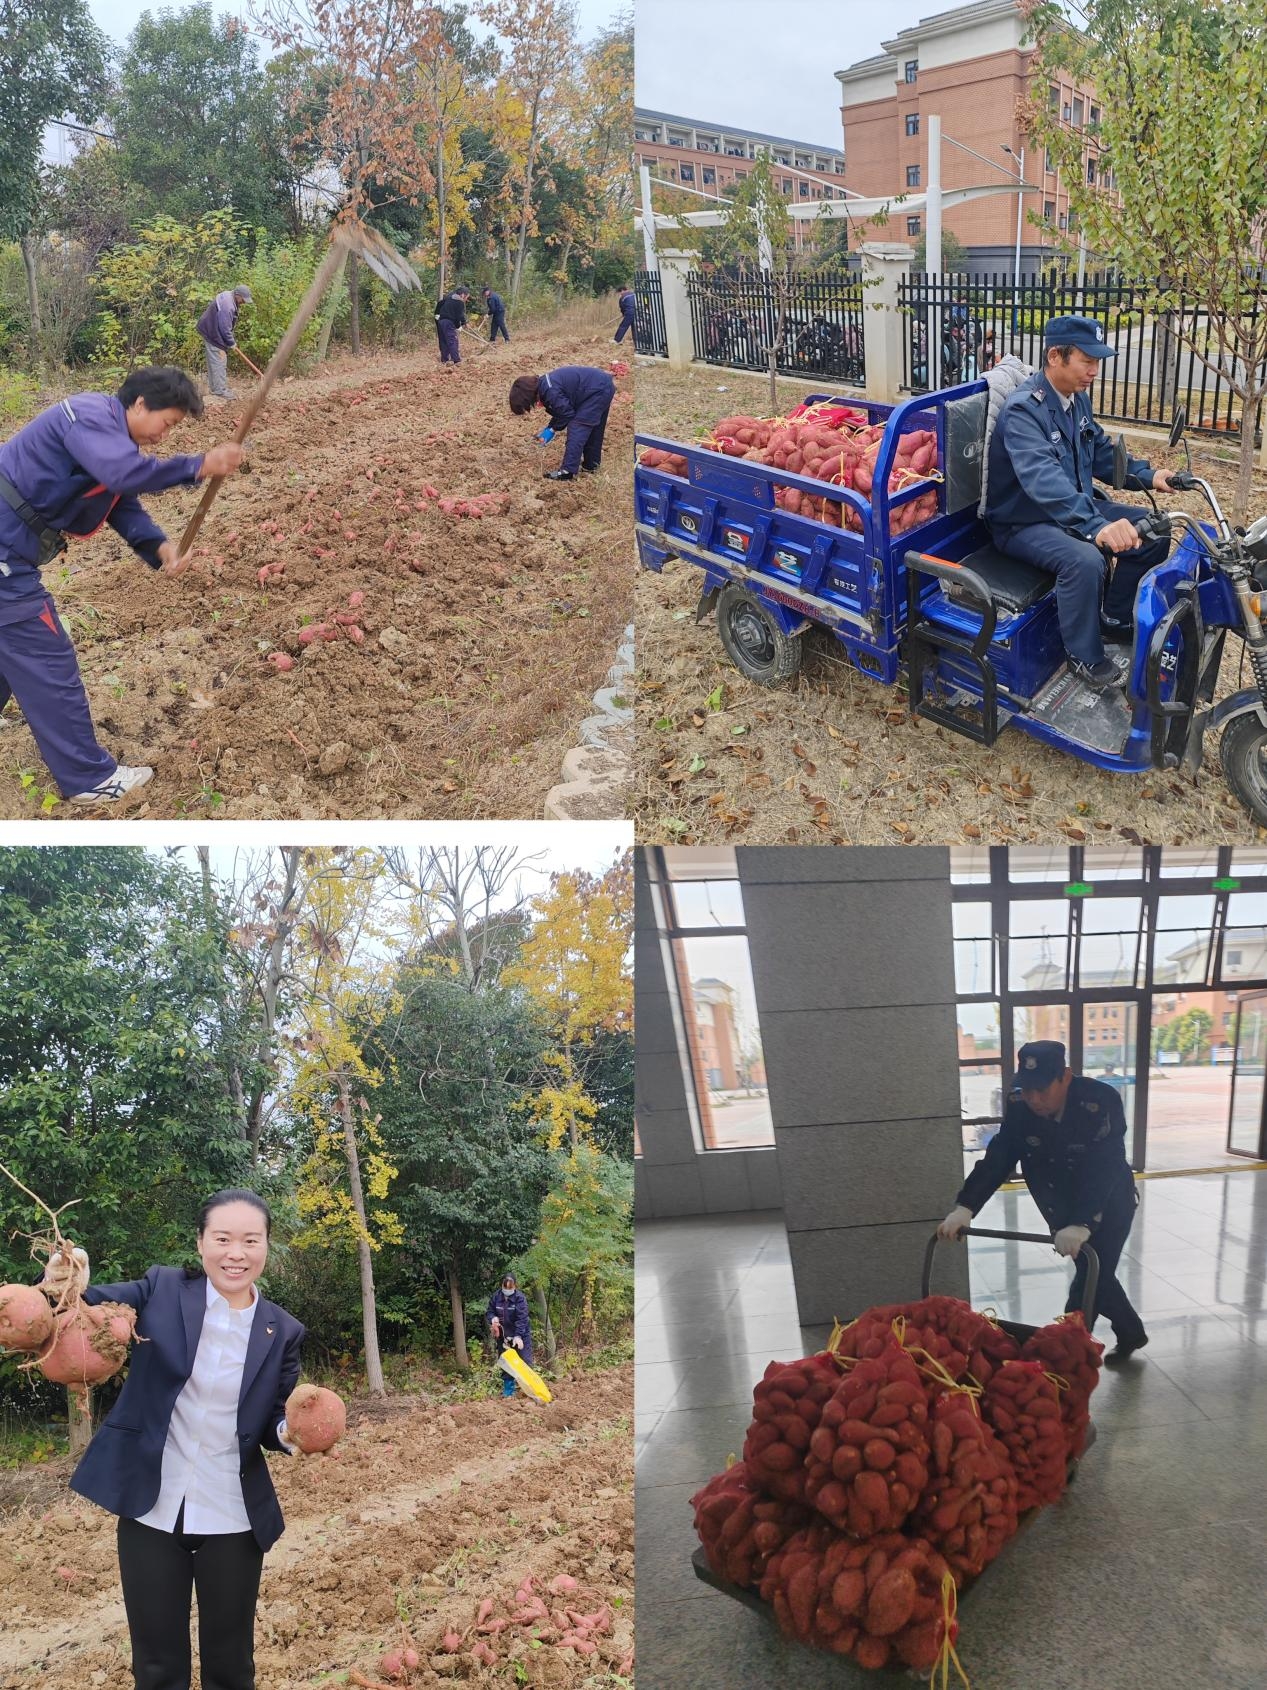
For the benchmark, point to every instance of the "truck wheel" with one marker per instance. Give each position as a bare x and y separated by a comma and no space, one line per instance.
1243,752
756,644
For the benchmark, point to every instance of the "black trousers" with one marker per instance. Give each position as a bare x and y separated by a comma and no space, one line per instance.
1108,1240
160,1572
498,327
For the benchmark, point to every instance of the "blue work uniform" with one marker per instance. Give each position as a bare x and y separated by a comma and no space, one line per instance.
511,1308
1078,1173
1042,507
75,467
578,398
217,322
497,317
628,305
450,317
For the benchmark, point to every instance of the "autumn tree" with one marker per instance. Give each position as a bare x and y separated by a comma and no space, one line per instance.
343,973
451,79
1182,93
584,1239
574,964
540,45
371,124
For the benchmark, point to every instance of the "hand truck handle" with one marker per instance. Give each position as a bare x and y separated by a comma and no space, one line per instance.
1093,1261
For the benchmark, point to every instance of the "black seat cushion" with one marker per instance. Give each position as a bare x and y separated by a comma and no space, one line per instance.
1013,585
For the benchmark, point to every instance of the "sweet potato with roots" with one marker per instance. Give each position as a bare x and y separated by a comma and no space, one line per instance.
315,1418
90,1344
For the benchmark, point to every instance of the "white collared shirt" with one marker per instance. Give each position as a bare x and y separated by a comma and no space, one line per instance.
202,1460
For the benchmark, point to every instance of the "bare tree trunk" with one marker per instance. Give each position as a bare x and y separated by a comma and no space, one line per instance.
442,212
354,294
270,986
563,266
79,1421
459,1317
1245,469
27,245
526,206
369,1312
327,323
547,1326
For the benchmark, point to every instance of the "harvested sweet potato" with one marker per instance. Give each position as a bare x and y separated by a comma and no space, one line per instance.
315,1418
26,1320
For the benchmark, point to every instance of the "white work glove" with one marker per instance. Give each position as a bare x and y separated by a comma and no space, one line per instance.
518,1343
59,1274
1070,1239
955,1222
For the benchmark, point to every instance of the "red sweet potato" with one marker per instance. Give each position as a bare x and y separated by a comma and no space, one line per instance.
281,660
91,1344
26,1320
315,1418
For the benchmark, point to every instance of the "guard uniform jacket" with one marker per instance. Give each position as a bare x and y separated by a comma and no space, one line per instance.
122,1468
451,310
628,305
512,1311
1044,460
1075,1167
217,321
77,466
496,305
576,393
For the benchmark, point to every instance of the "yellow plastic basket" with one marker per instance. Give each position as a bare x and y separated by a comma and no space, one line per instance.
510,1361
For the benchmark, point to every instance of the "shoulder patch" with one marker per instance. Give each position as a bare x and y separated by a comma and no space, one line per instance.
1091,1108
1038,393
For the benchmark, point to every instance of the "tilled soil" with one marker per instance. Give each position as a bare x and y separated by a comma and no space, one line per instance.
834,758
483,637
423,1512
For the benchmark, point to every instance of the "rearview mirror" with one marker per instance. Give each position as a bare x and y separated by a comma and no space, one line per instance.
1177,427
1121,463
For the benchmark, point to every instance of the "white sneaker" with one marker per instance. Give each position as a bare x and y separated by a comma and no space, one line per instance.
126,778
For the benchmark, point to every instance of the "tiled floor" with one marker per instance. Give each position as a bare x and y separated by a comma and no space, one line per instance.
1151,1572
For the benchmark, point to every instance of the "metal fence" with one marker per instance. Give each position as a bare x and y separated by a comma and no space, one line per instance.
734,321
649,334
958,325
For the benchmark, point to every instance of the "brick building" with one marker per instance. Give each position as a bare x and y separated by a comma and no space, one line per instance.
712,157
969,67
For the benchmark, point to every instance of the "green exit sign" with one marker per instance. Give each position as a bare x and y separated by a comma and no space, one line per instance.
1079,889
1227,885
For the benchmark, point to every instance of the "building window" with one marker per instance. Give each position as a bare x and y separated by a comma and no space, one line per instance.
1091,172
1077,114
787,184
804,190
677,141
1049,210
688,172
741,176
829,192
1053,98
1049,164
1095,117
912,225
1063,221
723,1062
912,175
710,175
912,123
912,69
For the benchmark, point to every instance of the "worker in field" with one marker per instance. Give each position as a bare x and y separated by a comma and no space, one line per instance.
81,463
495,305
509,1326
450,317
577,398
628,305
216,326
1044,457
1069,1135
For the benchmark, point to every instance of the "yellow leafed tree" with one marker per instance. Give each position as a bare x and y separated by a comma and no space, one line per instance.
344,972
575,964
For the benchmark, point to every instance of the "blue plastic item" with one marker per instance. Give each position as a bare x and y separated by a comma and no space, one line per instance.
546,435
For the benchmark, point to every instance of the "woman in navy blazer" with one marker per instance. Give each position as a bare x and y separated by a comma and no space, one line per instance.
180,1456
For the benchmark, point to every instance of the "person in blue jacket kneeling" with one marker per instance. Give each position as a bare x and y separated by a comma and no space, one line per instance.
509,1325
578,398
180,1456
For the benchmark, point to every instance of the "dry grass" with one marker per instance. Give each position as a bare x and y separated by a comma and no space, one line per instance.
837,759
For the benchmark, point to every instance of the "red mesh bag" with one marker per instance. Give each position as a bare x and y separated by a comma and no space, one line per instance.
868,1457
870,1335
786,1408
1065,1347
1021,1405
969,1507
740,1527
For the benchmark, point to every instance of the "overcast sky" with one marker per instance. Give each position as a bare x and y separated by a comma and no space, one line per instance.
118,17
762,64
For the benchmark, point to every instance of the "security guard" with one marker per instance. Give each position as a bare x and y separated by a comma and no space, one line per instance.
1041,503
1069,1135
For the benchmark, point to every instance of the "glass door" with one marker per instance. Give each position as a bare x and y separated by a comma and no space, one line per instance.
1109,1034
1245,1131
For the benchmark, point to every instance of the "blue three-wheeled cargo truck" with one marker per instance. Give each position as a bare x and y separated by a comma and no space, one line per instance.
974,630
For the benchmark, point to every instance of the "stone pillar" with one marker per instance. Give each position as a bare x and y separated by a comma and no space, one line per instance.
675,267
884,266
853,965
666,1175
